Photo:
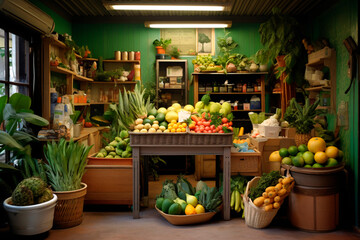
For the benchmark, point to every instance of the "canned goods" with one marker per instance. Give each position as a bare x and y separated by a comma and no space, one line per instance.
124,56
131,55
117,55
137,55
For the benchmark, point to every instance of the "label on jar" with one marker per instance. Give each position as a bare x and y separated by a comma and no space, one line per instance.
137,55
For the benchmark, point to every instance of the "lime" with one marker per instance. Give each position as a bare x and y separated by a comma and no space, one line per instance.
293,150
298,161
152,112
146,120
307,166
283,152
159,202
331,162
317,165
160,117
302,148
299,154
308,157
287,161
164,124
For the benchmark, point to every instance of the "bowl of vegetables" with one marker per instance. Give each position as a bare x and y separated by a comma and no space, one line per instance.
187,219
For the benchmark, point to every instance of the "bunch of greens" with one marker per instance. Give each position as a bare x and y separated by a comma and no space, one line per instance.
162,43
266,180
210,198
226,45
174,52
66,164
302,118
168,190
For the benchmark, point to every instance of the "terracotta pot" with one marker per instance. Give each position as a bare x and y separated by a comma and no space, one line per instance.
160,50
302,138
174,58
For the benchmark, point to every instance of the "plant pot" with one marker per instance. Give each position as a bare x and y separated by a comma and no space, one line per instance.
32,219
263,68
69,208
302,138
160,50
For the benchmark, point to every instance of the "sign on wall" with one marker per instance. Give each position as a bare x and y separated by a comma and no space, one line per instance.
190,41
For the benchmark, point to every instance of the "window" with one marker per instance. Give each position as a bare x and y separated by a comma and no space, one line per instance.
14,64
15,71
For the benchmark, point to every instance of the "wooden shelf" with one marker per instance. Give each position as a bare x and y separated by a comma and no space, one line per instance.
251,110
237,73
323,107
67,71
99,103
231,93
88,59
121,61
58,43
81,104
82,78
124,83
171,88
317,89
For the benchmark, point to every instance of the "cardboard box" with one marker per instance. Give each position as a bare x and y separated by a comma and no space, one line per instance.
175,86
173,80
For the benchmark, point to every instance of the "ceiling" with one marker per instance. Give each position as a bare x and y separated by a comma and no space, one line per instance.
236,10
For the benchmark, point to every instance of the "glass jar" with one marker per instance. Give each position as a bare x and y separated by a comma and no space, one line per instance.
124,56
132,55
230,87
137,55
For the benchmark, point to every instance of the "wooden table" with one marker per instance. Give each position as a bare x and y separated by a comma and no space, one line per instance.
186,148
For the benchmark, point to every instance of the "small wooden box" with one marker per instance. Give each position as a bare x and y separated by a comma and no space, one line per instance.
246,163
109,181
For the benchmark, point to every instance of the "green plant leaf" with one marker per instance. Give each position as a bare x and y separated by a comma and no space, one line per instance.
20,101
34,119
9,141
3,101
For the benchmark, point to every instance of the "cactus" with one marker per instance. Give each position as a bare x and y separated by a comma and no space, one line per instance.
46,196
22,196
35,184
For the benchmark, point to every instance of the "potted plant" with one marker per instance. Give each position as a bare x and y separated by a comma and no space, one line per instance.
282,40
174,53
302,118
65,167
261,58
226,45
31,207
161,45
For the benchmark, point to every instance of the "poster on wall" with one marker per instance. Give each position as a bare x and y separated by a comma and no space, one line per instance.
183,39
205,41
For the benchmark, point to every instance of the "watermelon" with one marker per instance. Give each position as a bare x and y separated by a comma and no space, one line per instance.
160,117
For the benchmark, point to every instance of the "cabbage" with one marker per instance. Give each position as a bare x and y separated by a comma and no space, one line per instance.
214,108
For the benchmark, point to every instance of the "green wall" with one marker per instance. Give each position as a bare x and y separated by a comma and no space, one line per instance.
104,39
336,24
61,25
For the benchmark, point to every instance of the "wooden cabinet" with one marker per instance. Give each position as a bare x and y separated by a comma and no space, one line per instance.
171,86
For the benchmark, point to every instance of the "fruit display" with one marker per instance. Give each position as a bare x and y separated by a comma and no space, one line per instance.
118,148
210,123
31,191
181,198
313,155
273,196
204,63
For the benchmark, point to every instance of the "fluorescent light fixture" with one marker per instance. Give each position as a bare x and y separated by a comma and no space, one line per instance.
152,7
224,24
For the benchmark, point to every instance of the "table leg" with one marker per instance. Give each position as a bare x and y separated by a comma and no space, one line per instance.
226,182
136,182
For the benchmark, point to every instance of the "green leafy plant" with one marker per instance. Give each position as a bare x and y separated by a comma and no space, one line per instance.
174,52
261,56
281,36
302,117
226,45
164,43
66,164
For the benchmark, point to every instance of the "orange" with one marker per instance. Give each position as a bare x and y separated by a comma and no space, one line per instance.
316,144
190,210
183,130
320,157
332,152
173,121
173,130
183,124
178,130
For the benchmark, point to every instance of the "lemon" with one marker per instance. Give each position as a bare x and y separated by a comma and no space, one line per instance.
177,106
199,209
275,157
189,108
320,157
171,116
190,210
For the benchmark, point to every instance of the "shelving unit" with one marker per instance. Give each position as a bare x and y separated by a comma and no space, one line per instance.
169,94
234,78
324,57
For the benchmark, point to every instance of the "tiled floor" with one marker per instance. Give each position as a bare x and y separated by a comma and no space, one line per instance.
114,222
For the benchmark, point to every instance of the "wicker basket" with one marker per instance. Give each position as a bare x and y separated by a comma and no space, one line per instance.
69,208
254,216
302,138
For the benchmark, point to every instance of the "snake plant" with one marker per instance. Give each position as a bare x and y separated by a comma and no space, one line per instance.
66,164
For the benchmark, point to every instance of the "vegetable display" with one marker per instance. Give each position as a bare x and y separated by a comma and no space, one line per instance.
266,180
238,187
118,148
181,198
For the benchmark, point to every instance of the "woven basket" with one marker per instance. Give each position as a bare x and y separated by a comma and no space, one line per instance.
254,216
69,208
302,138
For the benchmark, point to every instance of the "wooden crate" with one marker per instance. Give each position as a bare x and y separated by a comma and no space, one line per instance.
246,163
109,181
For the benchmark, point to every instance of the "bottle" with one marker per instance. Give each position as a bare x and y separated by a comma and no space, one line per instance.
250,87
216,87
68,123
244,88
161,84
259,86
58,114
